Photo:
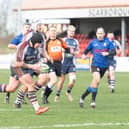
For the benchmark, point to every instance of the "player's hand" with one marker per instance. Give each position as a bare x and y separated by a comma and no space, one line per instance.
49,59
83,56
72,51
45,60
35,67
105,53
18,64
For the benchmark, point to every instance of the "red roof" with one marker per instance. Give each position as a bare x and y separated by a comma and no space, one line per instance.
69,4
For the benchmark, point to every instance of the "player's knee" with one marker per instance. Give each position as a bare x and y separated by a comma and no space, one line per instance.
53,80
29,85
72,78
42,81
96,81
10,90
24,88
111,69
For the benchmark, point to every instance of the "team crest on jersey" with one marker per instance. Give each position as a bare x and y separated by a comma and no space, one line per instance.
105,44
74,43
98,69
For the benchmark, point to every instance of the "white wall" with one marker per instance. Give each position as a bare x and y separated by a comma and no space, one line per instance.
122,63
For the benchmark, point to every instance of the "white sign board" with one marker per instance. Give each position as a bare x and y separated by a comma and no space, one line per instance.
122,63
76,13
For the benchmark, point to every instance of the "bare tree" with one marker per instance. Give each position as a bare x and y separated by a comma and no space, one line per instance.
4,15
8,20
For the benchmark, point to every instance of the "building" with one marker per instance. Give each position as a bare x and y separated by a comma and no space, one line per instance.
87,15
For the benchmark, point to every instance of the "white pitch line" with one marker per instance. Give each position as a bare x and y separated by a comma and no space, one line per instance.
9,110
68,125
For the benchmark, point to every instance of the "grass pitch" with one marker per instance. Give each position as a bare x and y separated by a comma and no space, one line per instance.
112,111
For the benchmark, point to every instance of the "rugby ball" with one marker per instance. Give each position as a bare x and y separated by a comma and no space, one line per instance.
44,68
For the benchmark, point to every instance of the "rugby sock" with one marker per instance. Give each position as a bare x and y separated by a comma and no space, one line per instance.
49,86
87,92
69,90
20,97
37,87
7,94
3,87
33,99
112,83
109,82
7,97
47,92
94,93
58,93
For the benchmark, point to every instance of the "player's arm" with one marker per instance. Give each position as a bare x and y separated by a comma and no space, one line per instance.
24,65
118,51
65,46
13,43
118,48
87,50
20,56
45,52
12,46
111,51
77,50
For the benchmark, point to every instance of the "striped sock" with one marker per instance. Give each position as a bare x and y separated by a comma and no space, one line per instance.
112,83
69,90
37,87
109,82
33,99
58,93
20,97
3,87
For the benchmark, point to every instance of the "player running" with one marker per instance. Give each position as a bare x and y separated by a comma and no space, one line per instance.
25,63
54,49
101,49
68,65
112,62
14,43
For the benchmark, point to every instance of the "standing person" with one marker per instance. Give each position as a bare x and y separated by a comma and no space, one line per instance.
19,38
112,62
14,43
101,48
24,63
53,54
41,28
68,65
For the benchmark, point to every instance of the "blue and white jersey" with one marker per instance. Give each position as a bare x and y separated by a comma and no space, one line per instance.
69,57
117,45
112,58
97,47
21,38
17,40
